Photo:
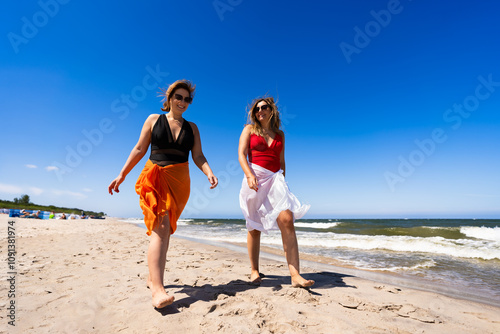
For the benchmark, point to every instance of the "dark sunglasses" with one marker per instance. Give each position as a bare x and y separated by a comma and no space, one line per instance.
264,107
179,97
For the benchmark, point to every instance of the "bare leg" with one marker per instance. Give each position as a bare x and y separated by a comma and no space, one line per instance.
291,248
253,245
157,256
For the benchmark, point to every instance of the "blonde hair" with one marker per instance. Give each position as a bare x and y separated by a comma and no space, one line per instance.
169,92
274,122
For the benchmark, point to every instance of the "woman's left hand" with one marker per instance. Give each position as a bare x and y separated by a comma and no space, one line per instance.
213,181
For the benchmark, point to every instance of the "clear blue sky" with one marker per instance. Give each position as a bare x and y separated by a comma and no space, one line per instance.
390,108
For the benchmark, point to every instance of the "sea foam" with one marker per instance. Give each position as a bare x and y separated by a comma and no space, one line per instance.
464,248
316,225
486,233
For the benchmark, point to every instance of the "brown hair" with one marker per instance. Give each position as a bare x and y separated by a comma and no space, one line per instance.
169,92
274,122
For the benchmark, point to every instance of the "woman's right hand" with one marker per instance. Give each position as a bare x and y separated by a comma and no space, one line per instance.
114,184
253,183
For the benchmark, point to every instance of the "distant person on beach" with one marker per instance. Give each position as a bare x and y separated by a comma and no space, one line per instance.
164,184
265,199
63,216
26,214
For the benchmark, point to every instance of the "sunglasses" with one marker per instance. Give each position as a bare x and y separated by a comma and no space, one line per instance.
264,107
179,97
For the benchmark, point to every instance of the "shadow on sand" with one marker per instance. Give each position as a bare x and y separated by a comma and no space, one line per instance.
208,292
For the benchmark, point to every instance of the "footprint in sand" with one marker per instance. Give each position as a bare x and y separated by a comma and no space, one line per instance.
405,311
415,313
350,302
301,295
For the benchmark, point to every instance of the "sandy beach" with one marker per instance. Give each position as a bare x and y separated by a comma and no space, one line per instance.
89,276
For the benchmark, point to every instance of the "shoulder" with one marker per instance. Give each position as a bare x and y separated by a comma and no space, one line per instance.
247,132
281,133
150,122
247,129
152,118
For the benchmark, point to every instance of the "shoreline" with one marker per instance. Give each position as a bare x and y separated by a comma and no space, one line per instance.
89,276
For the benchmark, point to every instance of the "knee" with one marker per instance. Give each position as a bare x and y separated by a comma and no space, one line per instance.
285,220
163,229
254,233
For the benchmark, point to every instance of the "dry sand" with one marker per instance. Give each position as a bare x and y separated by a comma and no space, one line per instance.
89,276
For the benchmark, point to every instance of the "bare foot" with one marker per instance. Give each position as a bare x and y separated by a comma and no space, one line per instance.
161,299
255,278
300,282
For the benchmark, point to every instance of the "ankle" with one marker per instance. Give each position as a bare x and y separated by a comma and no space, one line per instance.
254,273
156,287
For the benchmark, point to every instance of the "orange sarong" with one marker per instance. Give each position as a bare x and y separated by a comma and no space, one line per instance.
163,190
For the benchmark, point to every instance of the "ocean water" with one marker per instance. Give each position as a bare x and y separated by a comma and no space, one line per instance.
461,254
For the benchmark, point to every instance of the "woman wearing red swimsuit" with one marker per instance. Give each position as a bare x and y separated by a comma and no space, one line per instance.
265,199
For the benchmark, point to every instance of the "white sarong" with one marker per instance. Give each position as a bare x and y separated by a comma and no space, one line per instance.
261,208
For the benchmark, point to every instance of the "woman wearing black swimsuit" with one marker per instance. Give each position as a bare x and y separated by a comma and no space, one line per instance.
164,183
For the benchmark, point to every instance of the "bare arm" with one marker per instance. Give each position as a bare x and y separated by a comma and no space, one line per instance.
136,154
199,158
282,154
242,158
